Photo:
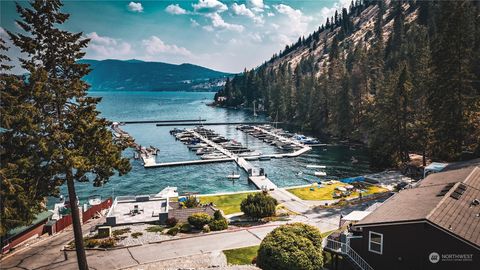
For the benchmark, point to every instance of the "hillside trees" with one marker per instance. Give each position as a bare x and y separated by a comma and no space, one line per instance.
409,87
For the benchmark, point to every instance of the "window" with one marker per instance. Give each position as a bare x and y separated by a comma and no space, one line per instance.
375,242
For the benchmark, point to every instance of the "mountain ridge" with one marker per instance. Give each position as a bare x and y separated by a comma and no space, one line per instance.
139,75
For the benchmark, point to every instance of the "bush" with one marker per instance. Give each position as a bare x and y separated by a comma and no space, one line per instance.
155,229
171,222
217,215
107,243
198,220
191,202
173,231
258,206
185,228
291,246
120,231
91,242
136,234
218,225
206,229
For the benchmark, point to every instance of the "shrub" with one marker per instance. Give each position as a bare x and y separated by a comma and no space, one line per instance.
91,242
191,202
218,225
107,243
217,215
120,231
258,206
291,246
155,229
206,229
198,220
136,234
173,231
185,228
171,222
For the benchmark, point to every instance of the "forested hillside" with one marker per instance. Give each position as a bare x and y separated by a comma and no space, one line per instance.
136,75
399,76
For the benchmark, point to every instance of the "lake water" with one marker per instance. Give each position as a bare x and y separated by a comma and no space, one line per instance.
209,178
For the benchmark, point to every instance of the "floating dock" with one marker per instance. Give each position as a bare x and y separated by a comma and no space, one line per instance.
163,121
184,163
259,179
212,124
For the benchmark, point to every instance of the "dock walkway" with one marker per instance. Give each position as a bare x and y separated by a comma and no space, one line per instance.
259,180
184,163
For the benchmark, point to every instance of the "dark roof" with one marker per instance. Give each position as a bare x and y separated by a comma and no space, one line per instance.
445,177
39,218
444,199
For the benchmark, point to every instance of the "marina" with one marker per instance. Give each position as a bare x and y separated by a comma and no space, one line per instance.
178,165
224,150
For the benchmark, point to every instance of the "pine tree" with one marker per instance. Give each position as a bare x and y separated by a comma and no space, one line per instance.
72,142
454,100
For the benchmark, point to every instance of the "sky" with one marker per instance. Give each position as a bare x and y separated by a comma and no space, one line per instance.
223,35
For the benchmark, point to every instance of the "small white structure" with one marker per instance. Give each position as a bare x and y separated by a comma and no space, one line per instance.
354,216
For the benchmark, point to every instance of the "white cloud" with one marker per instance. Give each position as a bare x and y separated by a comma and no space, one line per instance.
219,23
135,7
102,47
209,6
175,10
257,5
154,45
242,10
326,12
270,14
194,23
296,24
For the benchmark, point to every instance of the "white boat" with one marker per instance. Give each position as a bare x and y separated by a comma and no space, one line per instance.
320,173
233,176
317,166
94,200
196,146
214,156
251,154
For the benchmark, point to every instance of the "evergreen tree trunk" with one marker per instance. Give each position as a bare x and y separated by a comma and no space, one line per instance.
77,226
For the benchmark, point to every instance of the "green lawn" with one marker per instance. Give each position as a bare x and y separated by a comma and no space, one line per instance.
228,203
241,255
326,192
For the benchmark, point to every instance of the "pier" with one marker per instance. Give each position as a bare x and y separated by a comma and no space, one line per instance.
153,164
255,175
212,124
162,121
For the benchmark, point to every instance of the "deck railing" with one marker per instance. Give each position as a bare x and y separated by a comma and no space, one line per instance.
346,250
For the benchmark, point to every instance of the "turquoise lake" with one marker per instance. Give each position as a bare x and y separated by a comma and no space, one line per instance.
209,178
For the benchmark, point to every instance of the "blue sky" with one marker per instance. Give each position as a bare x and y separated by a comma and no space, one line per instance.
223,35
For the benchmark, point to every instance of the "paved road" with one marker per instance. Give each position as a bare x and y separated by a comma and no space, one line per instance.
48,254
45,254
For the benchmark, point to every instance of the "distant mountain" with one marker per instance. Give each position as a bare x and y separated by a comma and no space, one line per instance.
118,75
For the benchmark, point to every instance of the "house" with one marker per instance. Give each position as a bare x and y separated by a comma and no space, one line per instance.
435,225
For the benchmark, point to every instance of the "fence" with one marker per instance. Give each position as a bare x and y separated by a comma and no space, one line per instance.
62,223
96,208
